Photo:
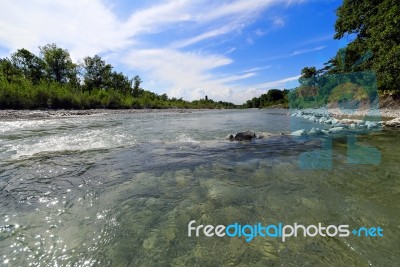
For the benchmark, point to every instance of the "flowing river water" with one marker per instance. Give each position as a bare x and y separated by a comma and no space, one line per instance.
120,190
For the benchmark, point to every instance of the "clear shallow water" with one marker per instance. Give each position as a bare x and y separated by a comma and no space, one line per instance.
120,191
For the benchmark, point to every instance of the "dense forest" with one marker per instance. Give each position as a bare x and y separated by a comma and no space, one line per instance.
51,80
367,67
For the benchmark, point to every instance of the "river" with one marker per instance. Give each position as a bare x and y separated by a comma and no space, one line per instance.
120,190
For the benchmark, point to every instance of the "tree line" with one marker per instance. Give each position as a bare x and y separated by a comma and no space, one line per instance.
52,80
273,98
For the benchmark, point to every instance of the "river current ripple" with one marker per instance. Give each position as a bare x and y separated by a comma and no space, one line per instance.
120,190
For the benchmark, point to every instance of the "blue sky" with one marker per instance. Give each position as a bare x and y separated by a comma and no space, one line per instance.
229,50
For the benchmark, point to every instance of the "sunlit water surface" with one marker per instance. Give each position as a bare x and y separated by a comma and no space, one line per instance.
120,190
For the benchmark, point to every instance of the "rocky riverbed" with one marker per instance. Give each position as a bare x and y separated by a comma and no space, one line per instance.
335,121
383,112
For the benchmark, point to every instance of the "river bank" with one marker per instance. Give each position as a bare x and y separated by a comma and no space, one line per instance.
10,114
385,113
338,120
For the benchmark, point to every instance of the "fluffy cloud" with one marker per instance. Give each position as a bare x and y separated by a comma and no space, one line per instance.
84,27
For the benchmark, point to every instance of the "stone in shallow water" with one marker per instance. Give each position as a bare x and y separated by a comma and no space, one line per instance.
266,248
392,123
240,136
169,233
345,126
221,192
322,120
150,241
315,131
182,177
372,125
230,137
336,129
299,132
246,135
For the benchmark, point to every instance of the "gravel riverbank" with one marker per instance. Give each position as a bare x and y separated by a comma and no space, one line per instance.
43,114
338,120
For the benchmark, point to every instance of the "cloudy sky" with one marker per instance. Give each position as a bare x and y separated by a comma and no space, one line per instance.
230,50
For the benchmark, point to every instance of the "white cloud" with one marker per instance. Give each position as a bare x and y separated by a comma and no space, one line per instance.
203,36
260,32
304,51
233,78
156,17
84,27
296,53
318,39
245,8
279,22
249,41
182,71
230,50
256,69
280,84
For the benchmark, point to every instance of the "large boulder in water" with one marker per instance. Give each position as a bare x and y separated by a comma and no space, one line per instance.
246,135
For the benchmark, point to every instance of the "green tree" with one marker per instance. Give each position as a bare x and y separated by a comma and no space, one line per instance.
120,82
59,66
376,26
31,66
8,71
97,74
308,73
274,95
136,90
164,97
